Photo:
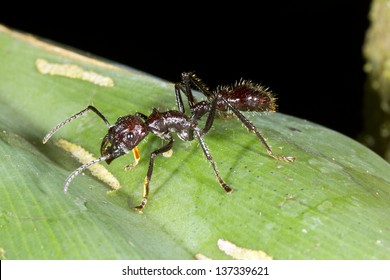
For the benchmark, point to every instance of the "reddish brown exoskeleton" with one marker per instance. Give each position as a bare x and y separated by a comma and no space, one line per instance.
128,131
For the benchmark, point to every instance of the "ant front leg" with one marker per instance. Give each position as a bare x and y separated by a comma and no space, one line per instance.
253,129
148,177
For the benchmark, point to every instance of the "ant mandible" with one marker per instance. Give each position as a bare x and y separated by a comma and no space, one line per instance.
243,96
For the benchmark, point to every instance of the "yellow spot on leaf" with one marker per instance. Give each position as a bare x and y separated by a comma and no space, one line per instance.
239,253
84,157
72,71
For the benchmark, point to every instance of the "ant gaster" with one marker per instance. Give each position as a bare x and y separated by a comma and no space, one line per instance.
130,130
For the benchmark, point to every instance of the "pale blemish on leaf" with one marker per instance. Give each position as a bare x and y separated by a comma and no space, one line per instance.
2,253
58,50
72,71
239,253
202,257
83,156
168,154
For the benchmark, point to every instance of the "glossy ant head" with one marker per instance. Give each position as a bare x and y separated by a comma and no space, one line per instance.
122,137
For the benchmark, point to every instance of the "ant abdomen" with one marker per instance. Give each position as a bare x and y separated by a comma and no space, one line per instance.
246,96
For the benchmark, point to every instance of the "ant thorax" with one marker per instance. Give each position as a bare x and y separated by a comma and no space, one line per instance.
162,124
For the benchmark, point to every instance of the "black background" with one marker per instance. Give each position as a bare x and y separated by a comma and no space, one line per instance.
309,54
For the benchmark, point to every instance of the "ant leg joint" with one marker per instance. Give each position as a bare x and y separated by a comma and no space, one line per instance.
142,205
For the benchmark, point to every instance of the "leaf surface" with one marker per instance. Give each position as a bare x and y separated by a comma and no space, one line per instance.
332,203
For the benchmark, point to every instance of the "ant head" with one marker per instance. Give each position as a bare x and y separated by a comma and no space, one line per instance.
122,137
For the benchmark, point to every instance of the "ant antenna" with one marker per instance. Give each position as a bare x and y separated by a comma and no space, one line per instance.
75,116
82,168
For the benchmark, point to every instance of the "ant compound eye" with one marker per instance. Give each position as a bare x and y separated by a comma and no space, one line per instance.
130,136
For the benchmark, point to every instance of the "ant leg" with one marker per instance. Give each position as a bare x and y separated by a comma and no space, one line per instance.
192,78
253,129
188,78
210,117
201,108
198,109
185,87
137,157
148,177
179,100
143,116
75,116
210,159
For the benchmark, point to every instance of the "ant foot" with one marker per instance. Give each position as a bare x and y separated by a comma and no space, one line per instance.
290,159
132,165
282,158
228,189
141,207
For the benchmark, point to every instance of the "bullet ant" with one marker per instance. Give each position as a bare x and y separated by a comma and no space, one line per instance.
128,131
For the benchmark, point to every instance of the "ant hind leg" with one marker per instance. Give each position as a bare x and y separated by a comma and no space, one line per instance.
253,129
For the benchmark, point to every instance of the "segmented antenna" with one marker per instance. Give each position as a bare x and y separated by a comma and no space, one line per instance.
82,168
75,116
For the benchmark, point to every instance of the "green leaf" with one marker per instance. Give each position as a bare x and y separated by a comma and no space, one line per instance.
332,203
